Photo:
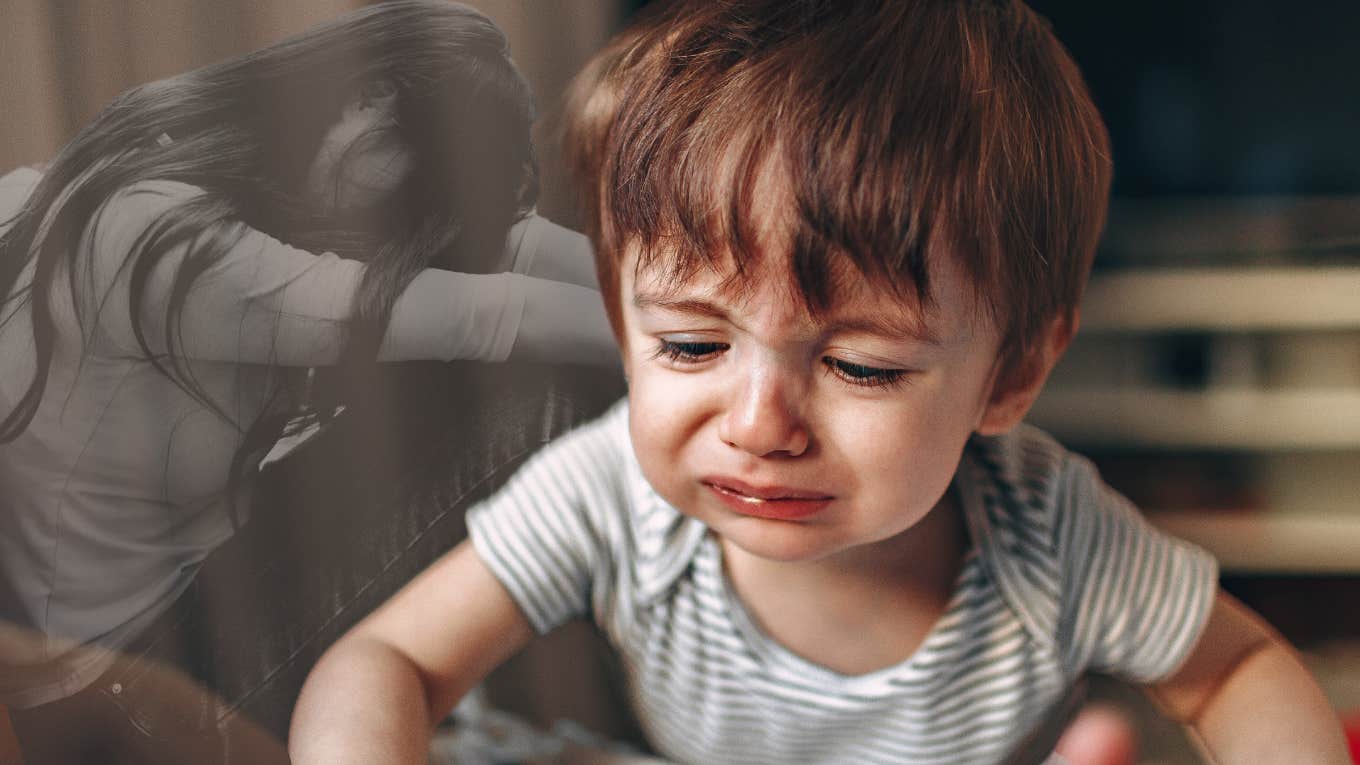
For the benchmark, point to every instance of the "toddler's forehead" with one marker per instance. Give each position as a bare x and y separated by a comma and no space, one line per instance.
761,228
950,309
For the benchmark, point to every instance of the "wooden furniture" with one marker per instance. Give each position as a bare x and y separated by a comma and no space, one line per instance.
1253,367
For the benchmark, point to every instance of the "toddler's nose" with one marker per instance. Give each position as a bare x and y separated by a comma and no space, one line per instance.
764,416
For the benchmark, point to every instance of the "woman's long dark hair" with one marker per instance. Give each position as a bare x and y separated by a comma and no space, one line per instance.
246,130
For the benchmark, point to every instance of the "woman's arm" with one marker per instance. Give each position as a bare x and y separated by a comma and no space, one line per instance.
265,302
546,250
1247,697
495,317
377,693
564,323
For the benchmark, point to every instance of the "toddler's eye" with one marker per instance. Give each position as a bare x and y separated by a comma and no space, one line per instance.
859,374
687,352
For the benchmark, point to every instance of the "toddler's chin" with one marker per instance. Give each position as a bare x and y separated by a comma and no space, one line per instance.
776,541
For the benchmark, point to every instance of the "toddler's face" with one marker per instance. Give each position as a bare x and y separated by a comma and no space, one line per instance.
799,439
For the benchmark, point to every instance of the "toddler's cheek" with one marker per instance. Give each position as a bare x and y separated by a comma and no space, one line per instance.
655,451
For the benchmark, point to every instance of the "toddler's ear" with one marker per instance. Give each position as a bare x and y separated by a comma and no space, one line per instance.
1013,394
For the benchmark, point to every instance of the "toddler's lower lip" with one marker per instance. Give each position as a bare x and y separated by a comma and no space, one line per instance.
777,508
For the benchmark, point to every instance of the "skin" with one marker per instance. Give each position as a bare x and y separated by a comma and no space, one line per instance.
867,422
848,406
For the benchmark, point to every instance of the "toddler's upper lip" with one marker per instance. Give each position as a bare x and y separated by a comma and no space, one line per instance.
767,491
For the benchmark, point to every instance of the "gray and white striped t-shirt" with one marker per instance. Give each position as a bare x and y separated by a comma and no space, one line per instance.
1062,576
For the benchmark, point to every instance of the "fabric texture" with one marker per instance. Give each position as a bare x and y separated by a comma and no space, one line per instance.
117,490
1062,576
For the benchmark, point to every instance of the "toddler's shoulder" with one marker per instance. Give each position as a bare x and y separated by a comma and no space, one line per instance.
1018,491
587,470
600,447
1026,470
651,543
1027,486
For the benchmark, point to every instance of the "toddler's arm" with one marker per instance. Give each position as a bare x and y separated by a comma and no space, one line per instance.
376,695
1248,698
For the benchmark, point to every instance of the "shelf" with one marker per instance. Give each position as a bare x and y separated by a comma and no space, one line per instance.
1282,395
1270,542
1240,299
1312,420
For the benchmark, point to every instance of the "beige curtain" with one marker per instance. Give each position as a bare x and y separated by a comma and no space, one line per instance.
62,60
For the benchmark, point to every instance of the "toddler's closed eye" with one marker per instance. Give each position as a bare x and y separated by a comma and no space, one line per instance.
860,374
687,352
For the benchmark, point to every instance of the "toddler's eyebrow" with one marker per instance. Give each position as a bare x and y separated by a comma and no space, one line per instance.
904,327
644,301
896,329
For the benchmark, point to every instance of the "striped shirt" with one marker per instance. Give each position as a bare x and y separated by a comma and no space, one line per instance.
1062,576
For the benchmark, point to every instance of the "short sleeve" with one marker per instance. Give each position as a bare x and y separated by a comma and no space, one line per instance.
554,535
1135,599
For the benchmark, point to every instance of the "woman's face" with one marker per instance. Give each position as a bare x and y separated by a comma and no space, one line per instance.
361,159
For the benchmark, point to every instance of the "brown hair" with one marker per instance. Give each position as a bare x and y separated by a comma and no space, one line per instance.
901,128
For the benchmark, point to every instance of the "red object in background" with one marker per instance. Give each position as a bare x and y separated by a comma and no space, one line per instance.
1352,724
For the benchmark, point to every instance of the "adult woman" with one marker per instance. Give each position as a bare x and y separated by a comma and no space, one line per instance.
163,292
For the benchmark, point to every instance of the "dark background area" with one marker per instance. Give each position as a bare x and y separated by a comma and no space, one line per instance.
1222,96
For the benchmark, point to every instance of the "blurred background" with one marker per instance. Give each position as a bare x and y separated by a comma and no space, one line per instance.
61,61
1216,379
